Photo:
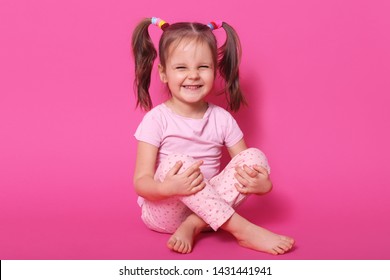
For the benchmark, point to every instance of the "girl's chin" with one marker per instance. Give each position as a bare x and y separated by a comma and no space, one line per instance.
193,95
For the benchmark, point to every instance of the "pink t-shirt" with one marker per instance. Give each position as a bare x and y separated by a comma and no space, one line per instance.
197,138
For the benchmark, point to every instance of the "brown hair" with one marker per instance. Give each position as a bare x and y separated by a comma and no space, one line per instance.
226,58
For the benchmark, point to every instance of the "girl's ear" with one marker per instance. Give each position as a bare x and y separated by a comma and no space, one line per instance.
163,76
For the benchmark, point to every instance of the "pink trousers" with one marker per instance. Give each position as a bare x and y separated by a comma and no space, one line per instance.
214,204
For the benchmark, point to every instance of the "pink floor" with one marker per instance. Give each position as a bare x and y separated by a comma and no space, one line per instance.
116,232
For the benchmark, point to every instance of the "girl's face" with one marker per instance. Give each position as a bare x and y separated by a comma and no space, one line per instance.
189,72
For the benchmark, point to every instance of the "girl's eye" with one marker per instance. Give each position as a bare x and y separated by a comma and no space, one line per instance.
180,67
204,66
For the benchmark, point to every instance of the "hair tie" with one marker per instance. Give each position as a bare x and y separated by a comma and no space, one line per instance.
159,22
215,24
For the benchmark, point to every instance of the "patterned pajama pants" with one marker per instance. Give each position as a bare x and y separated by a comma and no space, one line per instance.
214,204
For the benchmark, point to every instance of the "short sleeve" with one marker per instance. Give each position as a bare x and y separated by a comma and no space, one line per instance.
149,130
233,132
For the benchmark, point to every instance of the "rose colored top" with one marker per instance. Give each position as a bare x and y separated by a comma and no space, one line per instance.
197,138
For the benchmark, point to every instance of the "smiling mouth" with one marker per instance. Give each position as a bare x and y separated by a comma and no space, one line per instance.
192,87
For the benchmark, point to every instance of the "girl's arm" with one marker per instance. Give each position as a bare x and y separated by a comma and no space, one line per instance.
144,183
185,183
237,148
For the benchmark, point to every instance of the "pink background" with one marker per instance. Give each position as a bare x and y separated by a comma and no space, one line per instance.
316,74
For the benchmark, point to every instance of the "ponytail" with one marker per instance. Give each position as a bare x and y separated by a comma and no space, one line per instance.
144,55
229,60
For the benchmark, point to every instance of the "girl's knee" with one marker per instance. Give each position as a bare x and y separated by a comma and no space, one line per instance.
254,156
172,159
169,162
255,153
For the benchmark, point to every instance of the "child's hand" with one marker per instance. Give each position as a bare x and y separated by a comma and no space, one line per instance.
186,183
253,180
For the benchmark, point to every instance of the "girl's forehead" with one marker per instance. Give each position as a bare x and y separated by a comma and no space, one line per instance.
188,45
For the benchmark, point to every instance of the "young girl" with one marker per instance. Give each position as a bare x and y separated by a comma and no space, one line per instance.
177,178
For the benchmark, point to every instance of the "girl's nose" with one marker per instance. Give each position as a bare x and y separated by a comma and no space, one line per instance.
194,74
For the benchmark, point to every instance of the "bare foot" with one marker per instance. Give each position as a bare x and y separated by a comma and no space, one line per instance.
257,238
182,240
260,239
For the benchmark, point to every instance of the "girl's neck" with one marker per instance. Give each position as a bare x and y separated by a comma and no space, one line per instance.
193,111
